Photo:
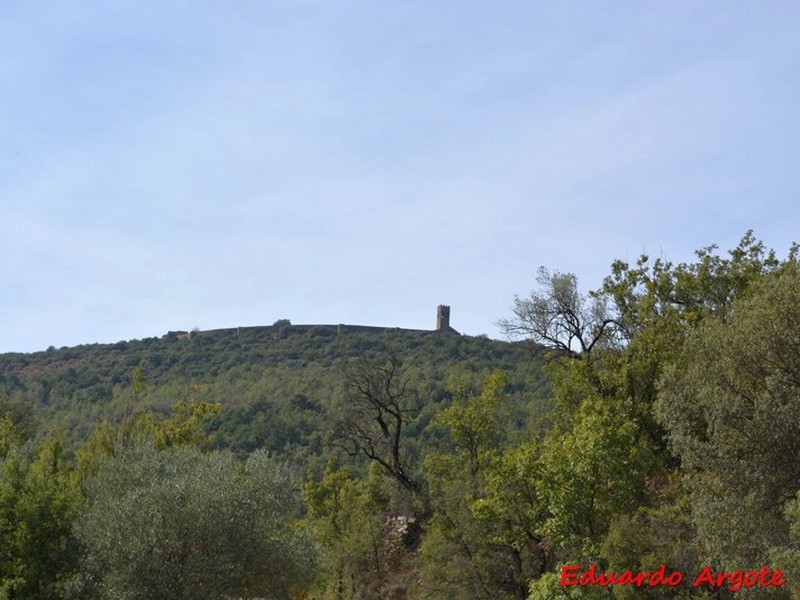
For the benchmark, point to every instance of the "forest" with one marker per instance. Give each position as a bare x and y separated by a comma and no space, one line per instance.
640,440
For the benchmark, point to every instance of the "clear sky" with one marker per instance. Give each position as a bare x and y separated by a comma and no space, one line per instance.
180,164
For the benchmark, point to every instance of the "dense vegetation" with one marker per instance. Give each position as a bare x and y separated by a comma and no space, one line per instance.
651,424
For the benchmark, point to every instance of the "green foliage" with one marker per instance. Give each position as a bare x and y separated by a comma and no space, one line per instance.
473,424
77,388
650,358
139,385
458,556
39,499
292,427
548,587
730,408
17,424
787,556
643,540
688,292
178,523
656,422
184,426
279,389
591,473
480,542
345,515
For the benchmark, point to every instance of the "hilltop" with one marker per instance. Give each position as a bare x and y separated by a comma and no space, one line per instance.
273,382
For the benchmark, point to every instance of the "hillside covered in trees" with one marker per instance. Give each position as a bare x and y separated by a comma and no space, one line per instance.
273,384
650,426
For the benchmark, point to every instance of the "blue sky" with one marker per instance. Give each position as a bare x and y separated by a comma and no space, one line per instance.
171,165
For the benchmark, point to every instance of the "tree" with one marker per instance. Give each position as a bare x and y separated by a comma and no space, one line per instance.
186,425
17,423
372,418
786,556
346,517
598,453
652,536
560,319
590,473
729,405
473,423
39,500
685,293
481,541
178,523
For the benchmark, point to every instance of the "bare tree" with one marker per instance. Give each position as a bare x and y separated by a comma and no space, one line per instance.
375,411
560,319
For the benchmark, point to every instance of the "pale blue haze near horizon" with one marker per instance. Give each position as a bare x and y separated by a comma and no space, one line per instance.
172,165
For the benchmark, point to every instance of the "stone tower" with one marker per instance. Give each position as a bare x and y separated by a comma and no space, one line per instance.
442,318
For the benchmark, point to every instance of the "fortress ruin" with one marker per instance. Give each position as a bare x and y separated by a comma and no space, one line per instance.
442,326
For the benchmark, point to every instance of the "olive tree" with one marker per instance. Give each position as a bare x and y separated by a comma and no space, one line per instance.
178,523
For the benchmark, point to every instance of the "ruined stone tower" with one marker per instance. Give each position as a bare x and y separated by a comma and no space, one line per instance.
442,318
